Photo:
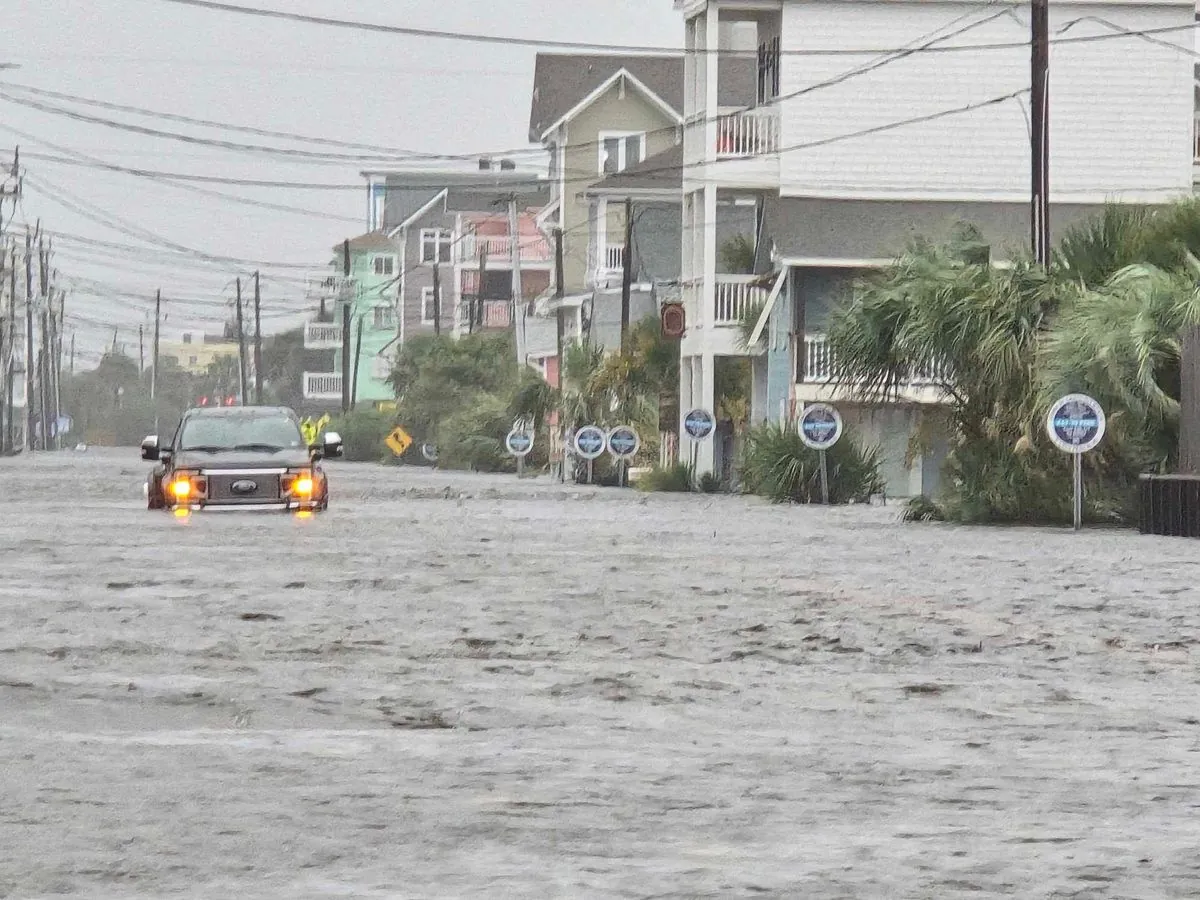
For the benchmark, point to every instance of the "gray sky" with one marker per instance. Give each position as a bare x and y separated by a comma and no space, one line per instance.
418,94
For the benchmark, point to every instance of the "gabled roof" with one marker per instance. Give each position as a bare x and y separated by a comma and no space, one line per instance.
566,83
562,82
372,240
660,172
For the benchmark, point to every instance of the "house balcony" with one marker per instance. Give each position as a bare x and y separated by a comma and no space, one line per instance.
534,249
815,368
497,315
323,386
747,149
322,336
607,266
735,296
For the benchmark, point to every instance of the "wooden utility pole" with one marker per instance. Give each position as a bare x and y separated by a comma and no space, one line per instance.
29,339
345,301
56,349
10,435
71,371
518,303
357,362
1040,131
141,350
626,275
153,356
437,298
477,304
6,326
44,352
258,363
560,291
241,336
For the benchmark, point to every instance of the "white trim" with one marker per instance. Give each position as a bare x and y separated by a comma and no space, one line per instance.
435,235
663,195
622,153
440,197
427,305
666,108
389,257
776,290
829,262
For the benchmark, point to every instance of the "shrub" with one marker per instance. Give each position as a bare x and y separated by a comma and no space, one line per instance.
473,437
777,465
363,431
710,483
673,479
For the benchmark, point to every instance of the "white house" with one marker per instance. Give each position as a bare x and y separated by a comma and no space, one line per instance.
877,120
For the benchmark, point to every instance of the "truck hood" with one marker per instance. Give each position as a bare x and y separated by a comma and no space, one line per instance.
241,459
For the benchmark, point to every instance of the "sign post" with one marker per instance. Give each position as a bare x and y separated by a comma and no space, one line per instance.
1076,425
623,444
699,425
519,443
590,442
820,428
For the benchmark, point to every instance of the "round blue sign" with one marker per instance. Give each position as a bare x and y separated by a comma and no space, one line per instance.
820,426
623,442
519,443
590,442
1076,423
699,424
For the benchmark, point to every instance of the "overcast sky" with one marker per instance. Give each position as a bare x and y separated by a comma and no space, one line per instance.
417,94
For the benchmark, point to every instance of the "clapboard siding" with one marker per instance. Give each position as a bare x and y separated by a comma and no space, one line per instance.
1121,109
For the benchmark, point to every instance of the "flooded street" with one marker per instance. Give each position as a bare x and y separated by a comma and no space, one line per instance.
456,685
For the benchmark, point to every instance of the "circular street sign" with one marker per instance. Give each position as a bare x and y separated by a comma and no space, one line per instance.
590,442
519,443
1076,423
429,451
699,424
820,426
623,442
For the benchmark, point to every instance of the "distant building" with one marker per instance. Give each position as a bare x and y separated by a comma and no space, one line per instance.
195,351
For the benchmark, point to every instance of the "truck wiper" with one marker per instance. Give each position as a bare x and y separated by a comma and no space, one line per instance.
204,448
266,448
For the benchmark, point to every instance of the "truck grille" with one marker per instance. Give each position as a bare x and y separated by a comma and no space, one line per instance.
221,487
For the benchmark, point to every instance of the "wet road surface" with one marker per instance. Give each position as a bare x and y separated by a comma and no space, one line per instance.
457,685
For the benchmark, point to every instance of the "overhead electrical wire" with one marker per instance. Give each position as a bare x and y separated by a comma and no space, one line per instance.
472,37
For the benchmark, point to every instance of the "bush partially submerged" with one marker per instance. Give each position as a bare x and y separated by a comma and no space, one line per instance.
362,432
673,479
777,465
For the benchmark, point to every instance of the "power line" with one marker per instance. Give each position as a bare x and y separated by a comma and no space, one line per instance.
618,48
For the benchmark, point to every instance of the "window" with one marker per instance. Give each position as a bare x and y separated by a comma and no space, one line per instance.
384,317
427,306
768,70
620,150
187,337
384,265
435,245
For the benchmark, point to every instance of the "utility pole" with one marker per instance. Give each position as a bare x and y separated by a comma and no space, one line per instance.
626,274
153,356
258,363
518,304
6,326
437,298
357,361
477,303
57,353
71,371
345,298
44,353
1040,131
29,339
241,327
141,351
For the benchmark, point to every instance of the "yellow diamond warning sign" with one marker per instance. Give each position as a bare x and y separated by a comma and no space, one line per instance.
398,441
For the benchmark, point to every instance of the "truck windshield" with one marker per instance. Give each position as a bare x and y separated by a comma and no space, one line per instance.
239,432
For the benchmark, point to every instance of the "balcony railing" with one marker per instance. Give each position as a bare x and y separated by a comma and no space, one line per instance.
322,336
533,248
614,257
496,314
818,365
322,385
749,133
735,295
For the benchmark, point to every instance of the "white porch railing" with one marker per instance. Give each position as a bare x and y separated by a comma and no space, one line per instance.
750,133
533,248
735,295
819,365
322,336
614,257
322,385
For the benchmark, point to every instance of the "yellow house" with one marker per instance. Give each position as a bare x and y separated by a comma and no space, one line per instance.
194,351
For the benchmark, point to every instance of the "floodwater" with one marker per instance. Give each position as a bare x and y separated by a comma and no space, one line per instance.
457,685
